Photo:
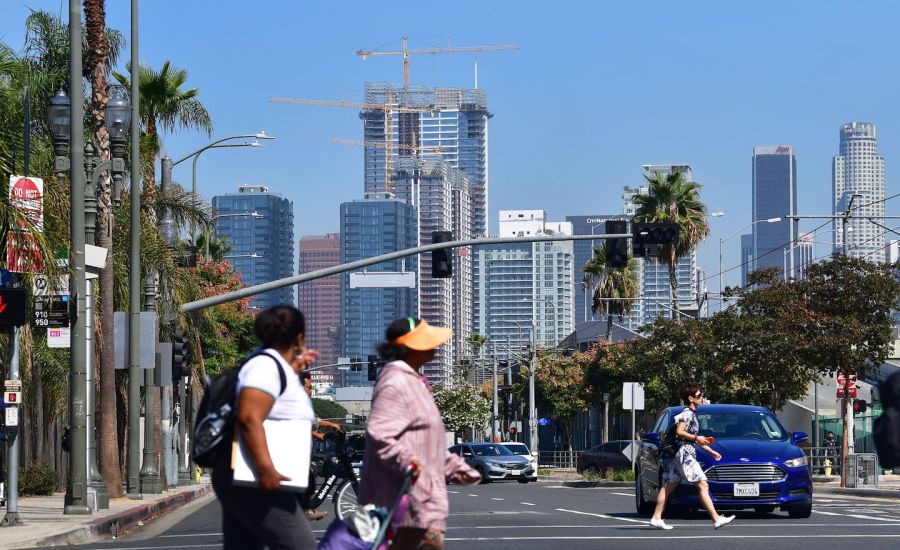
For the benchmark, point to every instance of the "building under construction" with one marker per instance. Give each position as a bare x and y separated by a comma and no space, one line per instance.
450,123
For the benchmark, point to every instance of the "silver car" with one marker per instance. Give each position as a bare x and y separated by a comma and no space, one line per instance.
495,462
522,449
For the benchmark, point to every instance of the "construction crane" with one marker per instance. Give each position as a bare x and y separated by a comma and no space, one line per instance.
406,52
383,145
350,104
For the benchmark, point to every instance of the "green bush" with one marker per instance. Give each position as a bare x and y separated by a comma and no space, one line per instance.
591,476
37,479
623,475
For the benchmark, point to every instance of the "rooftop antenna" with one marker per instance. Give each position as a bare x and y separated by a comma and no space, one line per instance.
476,73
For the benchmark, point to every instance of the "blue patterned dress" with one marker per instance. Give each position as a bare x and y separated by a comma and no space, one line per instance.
684,467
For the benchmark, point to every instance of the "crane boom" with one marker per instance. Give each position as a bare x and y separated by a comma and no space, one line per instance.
350,104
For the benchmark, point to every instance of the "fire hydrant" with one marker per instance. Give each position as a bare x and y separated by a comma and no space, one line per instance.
827,465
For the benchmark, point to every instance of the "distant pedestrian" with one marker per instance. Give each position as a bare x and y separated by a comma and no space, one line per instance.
830,445
253,518
683,467
405,429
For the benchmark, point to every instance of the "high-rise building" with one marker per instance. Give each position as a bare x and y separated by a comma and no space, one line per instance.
584,251
892,251
746,258
451,123
804,254
774,196
656,291
859,170
527,286
259,228
371,227
440,195
320,300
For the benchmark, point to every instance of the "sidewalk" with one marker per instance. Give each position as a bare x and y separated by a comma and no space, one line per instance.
888,487
44,523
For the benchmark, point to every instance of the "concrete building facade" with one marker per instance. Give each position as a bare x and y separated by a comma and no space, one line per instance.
859,169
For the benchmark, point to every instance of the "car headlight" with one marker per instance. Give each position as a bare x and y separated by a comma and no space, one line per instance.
797,462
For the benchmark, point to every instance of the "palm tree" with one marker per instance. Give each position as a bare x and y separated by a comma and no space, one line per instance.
165,105
672,199
100,58
615,289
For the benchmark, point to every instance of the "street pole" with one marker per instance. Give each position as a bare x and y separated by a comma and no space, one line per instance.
721,298
12,450
532,409
133,482
76,488
184,475
495,415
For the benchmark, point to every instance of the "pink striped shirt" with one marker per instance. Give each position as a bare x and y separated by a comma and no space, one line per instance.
405,424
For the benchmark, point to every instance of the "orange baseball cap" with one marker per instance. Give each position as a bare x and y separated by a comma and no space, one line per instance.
423,336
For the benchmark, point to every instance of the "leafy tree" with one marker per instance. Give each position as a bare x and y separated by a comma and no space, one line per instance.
615,289
462,407
673,200
329,410
560,389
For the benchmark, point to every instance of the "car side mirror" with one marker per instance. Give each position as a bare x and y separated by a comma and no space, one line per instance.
651,438
797,437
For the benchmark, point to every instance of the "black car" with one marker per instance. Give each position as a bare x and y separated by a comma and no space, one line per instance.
603,458
495,462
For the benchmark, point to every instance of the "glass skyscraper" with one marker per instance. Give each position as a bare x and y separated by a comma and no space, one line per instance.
774,196
859,170
320,300
259,228
371,227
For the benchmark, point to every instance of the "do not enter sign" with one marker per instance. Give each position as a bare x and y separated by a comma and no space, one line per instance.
26,199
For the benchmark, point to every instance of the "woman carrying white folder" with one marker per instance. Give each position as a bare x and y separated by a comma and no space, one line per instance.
254,518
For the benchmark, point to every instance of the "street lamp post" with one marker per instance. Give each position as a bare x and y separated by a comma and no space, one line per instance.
532,409
722,241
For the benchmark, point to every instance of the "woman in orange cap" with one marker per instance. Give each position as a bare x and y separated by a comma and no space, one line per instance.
405,429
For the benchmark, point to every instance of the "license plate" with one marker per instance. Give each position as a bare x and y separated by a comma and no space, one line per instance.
515,472
746,489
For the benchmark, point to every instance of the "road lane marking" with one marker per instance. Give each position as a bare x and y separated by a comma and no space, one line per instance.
823,512
667,536
189,535
495,498
782,524
453,492
856,516
624,494
471,495
602,516
528,504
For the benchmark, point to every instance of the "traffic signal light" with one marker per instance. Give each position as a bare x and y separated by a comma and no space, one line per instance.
442,259
860,406
616,249
648,238
181,355
373,367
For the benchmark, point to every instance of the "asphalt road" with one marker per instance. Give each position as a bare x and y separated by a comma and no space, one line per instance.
545,515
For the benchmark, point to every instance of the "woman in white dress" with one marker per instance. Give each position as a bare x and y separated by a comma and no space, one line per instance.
683,467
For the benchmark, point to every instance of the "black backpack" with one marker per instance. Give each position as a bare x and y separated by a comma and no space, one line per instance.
214,426
886,431
669,445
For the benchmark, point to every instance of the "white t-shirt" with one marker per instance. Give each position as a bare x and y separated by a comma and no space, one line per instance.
259,373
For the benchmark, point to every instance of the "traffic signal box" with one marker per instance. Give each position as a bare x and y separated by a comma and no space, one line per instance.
647,239
374,364
181,355
441,259
616,249
860,406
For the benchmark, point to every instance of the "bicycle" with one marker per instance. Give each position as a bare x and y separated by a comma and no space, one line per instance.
345,491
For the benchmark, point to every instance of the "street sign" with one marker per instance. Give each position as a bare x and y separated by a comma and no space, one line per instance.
26,195
12,385
850,392
59,337
842,379
13,309
631,450
12,416
635,390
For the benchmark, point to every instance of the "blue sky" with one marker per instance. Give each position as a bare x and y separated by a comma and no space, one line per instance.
598,89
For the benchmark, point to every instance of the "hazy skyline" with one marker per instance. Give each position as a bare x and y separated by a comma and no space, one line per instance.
597,90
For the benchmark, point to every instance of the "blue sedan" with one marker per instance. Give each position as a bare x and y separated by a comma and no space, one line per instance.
762,467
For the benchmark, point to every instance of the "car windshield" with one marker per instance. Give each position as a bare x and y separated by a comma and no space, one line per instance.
760,425
520,450
491,450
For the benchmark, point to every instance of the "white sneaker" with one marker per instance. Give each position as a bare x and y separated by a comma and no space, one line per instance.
723,521
660,524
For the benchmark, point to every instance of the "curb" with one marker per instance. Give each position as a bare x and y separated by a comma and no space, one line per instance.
850,491
590,484
120,522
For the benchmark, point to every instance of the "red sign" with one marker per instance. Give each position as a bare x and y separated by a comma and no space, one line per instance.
842,379
850,392
26,198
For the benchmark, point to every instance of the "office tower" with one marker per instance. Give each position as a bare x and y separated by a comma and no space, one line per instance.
774,196
320,300
440,195
451,123
656,292
371,227
527,286
859,170
258,226
804,254
746,259
587,225
892,251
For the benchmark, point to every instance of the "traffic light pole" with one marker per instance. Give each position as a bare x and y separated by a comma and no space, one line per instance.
359,264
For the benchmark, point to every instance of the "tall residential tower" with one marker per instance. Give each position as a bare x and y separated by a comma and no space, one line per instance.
859,170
